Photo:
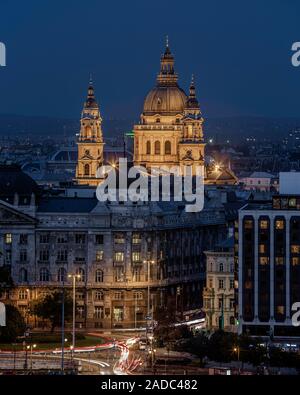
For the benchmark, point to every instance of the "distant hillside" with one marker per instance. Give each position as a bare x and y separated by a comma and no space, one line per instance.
235,129
18,125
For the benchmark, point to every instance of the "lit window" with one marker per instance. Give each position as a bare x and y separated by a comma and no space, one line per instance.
264,260
8,238
136,257
99,255
264,224
279,224
119,256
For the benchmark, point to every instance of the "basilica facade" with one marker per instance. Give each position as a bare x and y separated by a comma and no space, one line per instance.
170,132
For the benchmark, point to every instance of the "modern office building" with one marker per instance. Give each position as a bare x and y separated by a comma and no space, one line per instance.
269,262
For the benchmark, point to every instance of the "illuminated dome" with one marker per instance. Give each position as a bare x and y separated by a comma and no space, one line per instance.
167,96
169,99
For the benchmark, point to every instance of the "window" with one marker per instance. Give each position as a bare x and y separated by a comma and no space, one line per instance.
264,260
221,267
231,283
168,148
119,256
87,169
136,238
138,295
62,255
262,248
80,312
79,296
295,249
220,303
44,255
44,275
221,284
23,239
99,239
99,255
295,261
99,295
98,312
81,274
157,148
23,256
8,257
231,267
148,148
263,224
157,120
62,239
61,275
44,238
8,238
99,276
23,294
80,238
210,283
232,303
136,257
118,313
232,320
279,224
118,295
23,275
279,260
119,238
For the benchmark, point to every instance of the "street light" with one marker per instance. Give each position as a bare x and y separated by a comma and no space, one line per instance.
74,277
31,347
237,351
148,262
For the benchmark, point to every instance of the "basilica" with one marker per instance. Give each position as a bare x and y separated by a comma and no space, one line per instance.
132,259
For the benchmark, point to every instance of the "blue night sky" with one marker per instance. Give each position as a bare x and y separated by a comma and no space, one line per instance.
238,50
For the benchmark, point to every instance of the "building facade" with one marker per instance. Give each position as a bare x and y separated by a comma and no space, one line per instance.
218,294
119,251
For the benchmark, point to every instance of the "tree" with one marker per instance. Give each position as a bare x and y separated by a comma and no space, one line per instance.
5,278
49,308
15,325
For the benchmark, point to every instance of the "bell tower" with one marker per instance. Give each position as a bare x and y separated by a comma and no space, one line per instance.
90,141
191,145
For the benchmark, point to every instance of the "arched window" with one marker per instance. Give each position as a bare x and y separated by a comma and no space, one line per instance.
87,170
81,274
148,147
99,276
23,276
157,148
44,274
168,147
61,275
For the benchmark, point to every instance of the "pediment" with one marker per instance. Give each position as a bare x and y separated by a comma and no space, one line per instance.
9,215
